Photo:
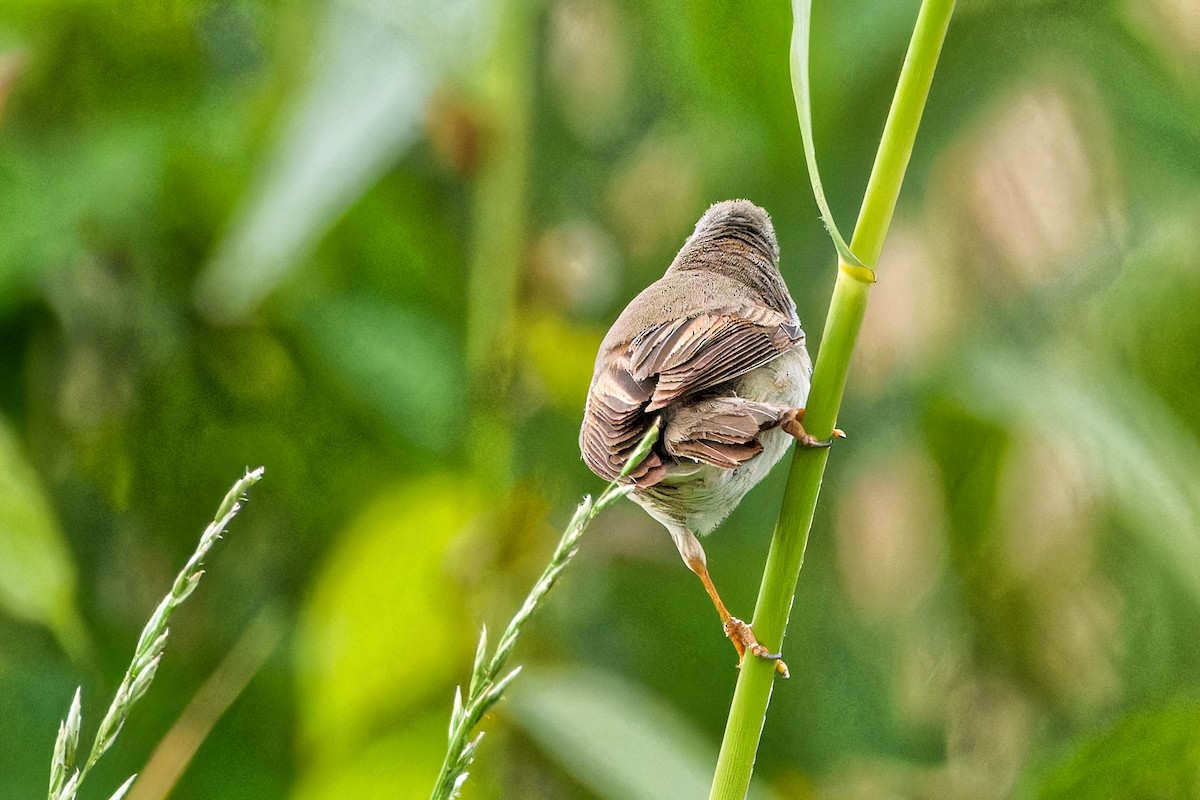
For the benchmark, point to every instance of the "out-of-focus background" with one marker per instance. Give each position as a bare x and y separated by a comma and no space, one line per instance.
373,246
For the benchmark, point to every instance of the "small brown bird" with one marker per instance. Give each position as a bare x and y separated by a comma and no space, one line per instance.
714,351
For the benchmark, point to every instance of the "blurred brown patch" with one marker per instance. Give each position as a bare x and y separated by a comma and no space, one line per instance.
889,532
588,67
654,198
1172,29
912,319
875,779
11,62
988,735
1050,522
574,267
456,131
929,660
989,729
1032,189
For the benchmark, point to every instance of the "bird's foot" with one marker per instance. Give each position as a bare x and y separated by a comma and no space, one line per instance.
792,425
742,636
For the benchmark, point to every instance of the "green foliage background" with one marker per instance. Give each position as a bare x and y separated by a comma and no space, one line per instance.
373,246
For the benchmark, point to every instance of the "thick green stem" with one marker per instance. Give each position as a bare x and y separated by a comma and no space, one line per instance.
847,307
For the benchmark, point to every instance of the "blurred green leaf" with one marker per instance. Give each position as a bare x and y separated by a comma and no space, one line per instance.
381,630
403,367
614,736
37,575
374,73
1138,450
313,167
801,20
400,765
561,354
1150,311
1145,756
56,190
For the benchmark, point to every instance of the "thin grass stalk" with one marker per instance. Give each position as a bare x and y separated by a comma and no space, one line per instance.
65,777
748,709
489,677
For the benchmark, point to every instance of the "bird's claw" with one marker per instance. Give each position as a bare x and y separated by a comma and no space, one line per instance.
792,425
742,636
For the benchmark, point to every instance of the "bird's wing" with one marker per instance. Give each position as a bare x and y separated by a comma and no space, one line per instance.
668,362
685,356
722,431
613,423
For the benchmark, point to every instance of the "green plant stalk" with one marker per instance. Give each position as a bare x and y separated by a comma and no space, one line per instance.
752,695
497,250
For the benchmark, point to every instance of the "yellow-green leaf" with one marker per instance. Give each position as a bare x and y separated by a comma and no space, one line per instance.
382,630
37,574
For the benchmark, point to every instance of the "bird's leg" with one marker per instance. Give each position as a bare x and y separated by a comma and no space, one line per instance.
791,424
739,632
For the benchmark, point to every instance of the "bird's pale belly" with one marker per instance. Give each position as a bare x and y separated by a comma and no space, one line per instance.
701,498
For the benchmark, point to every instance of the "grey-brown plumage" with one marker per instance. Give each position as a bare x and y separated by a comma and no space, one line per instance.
714,350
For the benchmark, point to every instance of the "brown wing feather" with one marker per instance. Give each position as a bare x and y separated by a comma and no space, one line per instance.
722,431
667,363
614,424
695,354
